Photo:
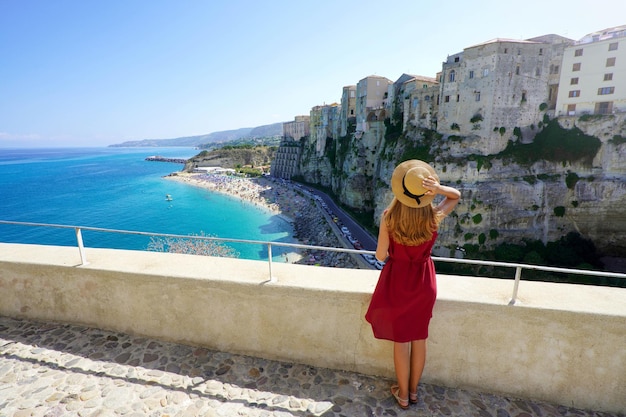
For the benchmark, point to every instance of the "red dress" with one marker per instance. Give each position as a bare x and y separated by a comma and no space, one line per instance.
403,301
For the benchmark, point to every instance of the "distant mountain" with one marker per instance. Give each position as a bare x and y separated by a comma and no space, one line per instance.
275,129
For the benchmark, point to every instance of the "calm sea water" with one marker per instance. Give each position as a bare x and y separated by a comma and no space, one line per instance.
115,188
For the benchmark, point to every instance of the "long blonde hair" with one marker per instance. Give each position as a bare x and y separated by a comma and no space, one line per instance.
411,226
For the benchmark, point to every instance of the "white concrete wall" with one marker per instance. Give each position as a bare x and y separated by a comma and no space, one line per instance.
560,343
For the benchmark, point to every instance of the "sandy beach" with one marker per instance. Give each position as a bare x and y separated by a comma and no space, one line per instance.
270,194
282,199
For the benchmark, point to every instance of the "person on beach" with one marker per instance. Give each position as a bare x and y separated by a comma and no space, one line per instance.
403,301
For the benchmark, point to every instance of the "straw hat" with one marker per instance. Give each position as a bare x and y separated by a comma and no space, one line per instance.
406,183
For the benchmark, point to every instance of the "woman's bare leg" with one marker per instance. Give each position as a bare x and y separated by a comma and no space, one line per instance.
418,360
401,362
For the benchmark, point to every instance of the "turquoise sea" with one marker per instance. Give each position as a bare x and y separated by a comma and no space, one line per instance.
116,188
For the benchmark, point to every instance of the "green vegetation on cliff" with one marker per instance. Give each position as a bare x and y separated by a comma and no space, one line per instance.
250,157
570,251
554,144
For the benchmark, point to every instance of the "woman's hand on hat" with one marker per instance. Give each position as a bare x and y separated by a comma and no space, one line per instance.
431,184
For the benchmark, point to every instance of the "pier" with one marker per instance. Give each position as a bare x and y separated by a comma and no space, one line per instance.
158,158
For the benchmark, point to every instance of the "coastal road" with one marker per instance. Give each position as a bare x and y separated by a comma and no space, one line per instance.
367,240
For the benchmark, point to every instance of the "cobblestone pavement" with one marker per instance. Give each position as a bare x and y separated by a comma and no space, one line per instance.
51,369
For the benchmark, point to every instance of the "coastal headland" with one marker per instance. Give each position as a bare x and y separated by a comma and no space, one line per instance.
283,199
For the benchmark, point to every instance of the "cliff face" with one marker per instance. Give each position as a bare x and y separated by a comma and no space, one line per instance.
232,157
543,195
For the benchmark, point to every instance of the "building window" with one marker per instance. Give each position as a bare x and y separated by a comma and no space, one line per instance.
452,76
485,72
606,90
578,52
517,70
576,66
571,109
604,107
610,62
446,99
471,74
506,50
458,98
574,93
608,77
456,59
573,81
540,51
555,70
613,46
537,72
477,95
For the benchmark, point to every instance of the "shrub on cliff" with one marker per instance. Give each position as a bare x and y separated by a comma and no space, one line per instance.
555,144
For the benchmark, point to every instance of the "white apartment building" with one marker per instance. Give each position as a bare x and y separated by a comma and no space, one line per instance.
593,74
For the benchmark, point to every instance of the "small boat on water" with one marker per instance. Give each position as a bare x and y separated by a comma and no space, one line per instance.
168,197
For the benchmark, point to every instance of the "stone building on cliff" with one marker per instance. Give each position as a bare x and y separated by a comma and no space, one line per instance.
347,109
297,129
324,124
420,102
498,86
371,100
286,163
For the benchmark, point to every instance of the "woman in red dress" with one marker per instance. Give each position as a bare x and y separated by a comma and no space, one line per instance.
403,301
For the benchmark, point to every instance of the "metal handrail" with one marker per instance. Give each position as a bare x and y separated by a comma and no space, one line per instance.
517,266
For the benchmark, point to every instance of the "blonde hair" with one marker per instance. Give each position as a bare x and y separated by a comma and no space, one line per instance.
411,226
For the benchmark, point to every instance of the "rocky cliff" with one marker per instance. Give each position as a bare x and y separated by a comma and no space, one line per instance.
233,157
566,175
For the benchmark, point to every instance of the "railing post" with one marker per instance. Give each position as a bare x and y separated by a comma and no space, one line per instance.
269,260
81,248
518,276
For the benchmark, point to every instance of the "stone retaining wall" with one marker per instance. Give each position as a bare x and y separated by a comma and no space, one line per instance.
561,343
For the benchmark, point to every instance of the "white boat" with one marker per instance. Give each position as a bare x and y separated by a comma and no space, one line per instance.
168,197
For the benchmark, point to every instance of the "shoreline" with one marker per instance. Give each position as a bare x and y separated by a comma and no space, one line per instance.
269,195
278,199
277,196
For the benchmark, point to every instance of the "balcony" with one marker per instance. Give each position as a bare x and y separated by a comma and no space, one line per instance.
179,332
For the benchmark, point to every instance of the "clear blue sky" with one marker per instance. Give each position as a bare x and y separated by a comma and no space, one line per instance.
94,73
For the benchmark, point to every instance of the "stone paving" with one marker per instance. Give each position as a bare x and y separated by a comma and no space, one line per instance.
51,369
